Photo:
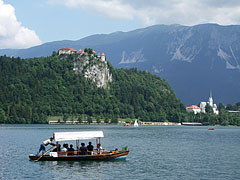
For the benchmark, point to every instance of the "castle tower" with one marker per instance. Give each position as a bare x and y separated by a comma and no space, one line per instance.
103,58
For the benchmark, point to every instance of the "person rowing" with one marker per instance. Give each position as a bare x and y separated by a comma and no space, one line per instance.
44,144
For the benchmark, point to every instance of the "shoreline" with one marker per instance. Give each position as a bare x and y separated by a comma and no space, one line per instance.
119,123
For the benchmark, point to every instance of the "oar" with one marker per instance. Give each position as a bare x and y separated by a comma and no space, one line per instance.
44,154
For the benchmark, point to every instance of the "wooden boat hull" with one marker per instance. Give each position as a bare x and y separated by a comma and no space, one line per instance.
121,155
211,129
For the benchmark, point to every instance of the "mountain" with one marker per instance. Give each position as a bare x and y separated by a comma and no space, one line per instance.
82,85
192,59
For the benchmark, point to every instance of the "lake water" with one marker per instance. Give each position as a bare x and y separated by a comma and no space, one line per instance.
156,152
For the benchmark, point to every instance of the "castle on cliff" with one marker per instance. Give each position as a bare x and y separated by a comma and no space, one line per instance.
69,51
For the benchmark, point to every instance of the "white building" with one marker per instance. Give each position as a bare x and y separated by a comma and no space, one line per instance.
103,58
195,109
66,51
210,102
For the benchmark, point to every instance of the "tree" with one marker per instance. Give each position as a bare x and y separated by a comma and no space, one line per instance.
238,104
65,117
89,119
114,119
208,109
221,107
98,120
3,117
80,119
106,120
54,53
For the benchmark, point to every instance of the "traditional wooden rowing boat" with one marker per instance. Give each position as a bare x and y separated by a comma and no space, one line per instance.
98,154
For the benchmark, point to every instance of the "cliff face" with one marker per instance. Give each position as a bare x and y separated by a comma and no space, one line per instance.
93,68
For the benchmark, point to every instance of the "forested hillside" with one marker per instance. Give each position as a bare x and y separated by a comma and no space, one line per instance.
34,89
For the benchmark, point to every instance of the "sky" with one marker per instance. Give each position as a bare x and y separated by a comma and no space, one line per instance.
27,23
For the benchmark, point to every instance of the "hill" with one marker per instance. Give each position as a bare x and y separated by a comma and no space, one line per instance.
34,89
192,59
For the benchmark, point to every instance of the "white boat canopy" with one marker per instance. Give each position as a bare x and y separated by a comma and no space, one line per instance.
67,136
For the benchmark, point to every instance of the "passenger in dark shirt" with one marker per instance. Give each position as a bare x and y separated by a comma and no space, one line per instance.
57,149
90,146
83,149
71,150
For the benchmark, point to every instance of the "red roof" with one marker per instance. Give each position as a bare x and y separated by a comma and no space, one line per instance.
102,54
193,107
80,51
67,49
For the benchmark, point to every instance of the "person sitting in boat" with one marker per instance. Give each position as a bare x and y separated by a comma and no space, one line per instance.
44,144
99,147
90,146
57,149
64,148
71,150
83,149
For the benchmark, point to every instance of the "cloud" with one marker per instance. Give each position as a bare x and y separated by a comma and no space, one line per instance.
107,8
186,12
12,33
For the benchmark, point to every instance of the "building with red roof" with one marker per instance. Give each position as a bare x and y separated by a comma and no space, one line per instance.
103,58
65,50
194,109
80,51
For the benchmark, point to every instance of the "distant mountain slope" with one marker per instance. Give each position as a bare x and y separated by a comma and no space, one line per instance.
193,59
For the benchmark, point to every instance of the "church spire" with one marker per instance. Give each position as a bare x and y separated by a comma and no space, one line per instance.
210,100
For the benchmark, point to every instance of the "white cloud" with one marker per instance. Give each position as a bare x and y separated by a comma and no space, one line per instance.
108,8
186,12
12,33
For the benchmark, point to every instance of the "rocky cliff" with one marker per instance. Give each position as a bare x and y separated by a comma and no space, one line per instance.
92,67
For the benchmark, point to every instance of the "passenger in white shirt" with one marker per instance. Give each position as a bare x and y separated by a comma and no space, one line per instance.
44,144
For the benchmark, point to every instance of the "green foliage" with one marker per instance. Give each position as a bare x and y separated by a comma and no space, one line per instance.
54,53
208,109
98,120
106,120
65,117
3,117
89,119
88,50
34,89
80,119
114,120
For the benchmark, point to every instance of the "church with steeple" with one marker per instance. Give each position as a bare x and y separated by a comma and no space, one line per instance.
210,102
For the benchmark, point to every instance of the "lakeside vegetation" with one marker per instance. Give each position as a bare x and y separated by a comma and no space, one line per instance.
225,118
32,90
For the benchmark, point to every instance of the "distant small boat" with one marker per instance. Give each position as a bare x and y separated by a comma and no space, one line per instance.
135,123
210,128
